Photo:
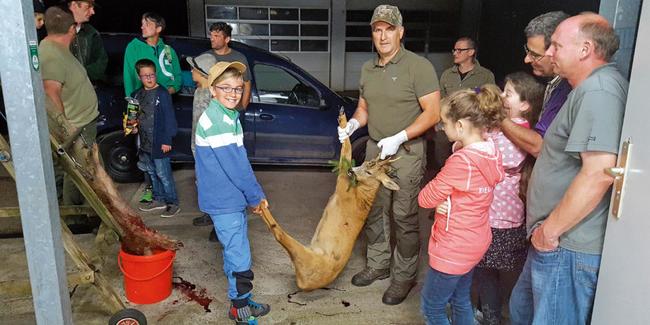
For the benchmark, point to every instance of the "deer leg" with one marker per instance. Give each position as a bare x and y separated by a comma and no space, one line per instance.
295,249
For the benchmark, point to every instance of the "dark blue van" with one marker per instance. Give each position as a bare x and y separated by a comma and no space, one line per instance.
291,118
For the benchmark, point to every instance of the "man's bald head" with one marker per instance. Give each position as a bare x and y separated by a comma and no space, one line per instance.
596,28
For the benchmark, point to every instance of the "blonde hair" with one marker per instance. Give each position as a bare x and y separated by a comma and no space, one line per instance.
228,73
482,106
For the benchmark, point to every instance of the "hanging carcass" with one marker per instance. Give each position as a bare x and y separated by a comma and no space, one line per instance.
318,264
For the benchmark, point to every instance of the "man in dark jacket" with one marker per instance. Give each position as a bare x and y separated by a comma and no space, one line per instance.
88,47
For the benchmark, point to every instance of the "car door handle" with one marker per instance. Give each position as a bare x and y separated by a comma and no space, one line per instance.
266,117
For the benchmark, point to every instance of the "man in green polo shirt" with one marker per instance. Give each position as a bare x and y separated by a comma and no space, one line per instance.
465,73
66,84
399,100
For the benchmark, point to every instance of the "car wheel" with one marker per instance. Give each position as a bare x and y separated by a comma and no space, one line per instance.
120,157
359,150
128,316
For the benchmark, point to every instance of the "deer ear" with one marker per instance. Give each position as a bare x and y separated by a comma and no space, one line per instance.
388,183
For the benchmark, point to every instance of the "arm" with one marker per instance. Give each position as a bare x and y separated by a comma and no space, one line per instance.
246,96
176,71
169,118
430,104
452,175
527,139
234,162
128,72
98,58
53,90
582,196
361,114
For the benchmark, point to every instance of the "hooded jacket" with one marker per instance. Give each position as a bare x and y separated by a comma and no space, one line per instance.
466,181
168,68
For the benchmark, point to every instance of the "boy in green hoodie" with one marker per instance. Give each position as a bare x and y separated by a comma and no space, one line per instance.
151,46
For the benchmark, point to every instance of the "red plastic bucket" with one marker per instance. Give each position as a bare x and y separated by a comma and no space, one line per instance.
147,279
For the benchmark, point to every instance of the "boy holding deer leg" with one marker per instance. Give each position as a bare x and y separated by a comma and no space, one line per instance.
226,186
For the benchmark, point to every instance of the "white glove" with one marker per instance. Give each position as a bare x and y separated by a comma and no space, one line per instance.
390,145
346,132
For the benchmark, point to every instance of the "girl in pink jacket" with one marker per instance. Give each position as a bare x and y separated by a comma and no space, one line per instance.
496,274
466,182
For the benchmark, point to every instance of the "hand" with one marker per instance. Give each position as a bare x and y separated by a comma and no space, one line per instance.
442,208
542,241
258,209
171,90
390,145
346,132
165,148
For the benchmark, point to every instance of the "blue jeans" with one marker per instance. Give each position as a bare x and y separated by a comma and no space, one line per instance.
556,287
232,231
162,180
440,289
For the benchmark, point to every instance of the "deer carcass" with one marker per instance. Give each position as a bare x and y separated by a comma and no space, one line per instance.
345,214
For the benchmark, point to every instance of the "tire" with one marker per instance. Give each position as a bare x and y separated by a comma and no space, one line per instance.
128,316
359,150
120,157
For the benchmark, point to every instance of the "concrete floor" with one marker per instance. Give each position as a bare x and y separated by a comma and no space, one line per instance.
297,198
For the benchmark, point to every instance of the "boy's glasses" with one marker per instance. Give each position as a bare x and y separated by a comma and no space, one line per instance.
148,76
229,90
534,56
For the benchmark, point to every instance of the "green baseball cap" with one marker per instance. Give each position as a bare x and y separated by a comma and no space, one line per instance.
388,14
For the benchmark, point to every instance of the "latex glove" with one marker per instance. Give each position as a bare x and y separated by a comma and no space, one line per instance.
390,145
346,132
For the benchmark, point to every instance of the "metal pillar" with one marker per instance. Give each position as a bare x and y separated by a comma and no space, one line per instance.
337,44
24,104
624,16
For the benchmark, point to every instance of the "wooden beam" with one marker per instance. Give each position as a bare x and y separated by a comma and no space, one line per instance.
64,211
21,288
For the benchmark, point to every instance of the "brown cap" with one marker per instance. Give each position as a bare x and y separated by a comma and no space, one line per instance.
388,14
220,67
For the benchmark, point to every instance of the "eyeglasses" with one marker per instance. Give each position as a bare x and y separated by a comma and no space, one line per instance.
535,56
461,50
229,90
148,76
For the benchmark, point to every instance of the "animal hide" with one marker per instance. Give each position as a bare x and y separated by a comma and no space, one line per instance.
137,239
318,264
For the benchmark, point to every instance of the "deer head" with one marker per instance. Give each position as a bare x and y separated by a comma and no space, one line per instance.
375,169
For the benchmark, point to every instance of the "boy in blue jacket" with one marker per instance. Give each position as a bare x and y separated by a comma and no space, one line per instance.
226,185
156,127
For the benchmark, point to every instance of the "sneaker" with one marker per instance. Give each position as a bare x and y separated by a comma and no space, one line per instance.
256,310
203,220
147,195
153,205
171,210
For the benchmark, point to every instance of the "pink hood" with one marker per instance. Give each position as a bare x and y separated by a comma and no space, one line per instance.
460,238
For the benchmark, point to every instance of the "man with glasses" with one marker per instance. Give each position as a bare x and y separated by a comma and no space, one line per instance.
538,39
67,87
88,47
466,73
